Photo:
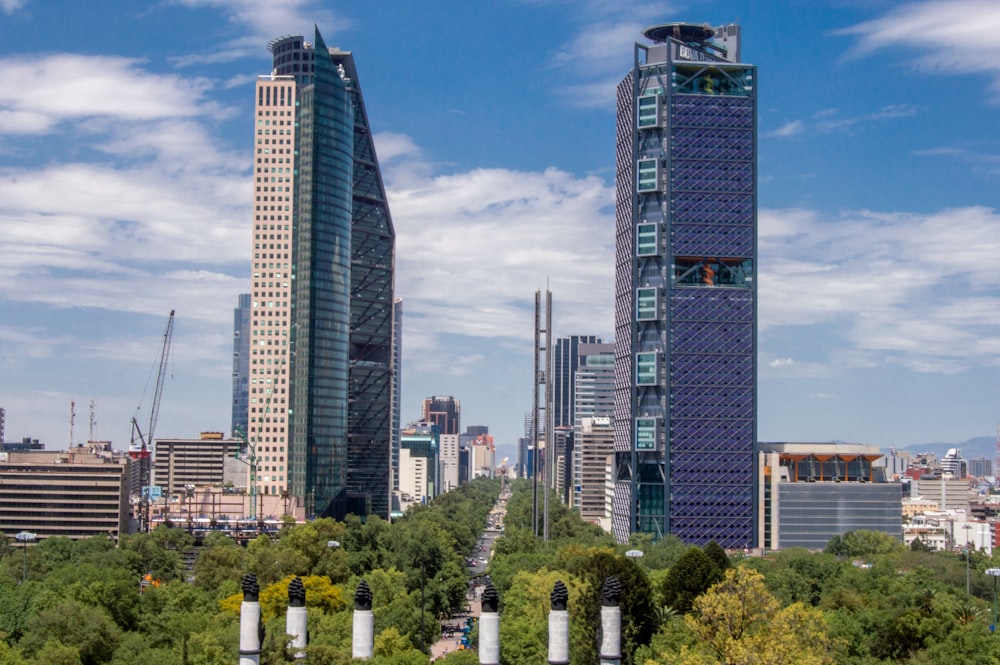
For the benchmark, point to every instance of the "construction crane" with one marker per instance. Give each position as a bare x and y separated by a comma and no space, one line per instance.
146,442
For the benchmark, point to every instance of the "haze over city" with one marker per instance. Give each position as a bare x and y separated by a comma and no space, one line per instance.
125,192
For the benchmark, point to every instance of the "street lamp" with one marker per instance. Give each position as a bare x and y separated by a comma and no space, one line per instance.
967,527
25,537
994,573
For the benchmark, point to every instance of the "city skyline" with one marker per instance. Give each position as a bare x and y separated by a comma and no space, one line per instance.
877,187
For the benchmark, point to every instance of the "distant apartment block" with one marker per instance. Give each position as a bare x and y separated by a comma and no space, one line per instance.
566,360
594,397
419,456
449,461
445,412
182,463
596,445
77,494
947,493
484,456
980,467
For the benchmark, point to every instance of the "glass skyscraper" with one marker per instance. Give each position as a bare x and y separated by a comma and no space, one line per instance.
685,295
322,309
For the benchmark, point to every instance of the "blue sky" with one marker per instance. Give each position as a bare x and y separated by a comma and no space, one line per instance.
125,147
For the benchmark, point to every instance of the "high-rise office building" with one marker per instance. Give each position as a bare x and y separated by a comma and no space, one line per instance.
445,412
241,365
322,298
565,361
594,397
685,297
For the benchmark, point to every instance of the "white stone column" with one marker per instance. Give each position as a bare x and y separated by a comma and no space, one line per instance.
611,623
559,625
251,628
489,627
363,629
296,624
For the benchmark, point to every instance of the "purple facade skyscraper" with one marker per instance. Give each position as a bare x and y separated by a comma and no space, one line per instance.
685,294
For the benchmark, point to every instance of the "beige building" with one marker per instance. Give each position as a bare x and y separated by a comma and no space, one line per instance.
448,459
77,494
189,463
271,286
596,445
947,493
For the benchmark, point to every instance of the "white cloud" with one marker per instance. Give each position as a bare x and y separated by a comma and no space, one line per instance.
890,288
473,247
788,129
828,121
39,92
264,21
600,54
949,37
10,6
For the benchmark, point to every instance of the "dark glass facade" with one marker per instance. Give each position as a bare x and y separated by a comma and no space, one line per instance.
685,297
343,310
321,273
241,366
371,360
566,360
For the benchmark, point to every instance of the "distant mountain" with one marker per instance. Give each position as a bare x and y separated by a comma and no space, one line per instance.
980,446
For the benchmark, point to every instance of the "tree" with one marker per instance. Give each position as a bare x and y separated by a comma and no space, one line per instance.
687,579
524,619
87,629
717,555
221,560
54,653
863,543
594,566
738,622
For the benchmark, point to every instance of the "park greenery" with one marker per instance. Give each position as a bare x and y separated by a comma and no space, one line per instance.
160,598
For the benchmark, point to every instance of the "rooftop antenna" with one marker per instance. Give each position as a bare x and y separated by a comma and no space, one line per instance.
93,420
72,419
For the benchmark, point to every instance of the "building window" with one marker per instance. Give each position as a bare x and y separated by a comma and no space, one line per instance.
646,304
645,433
649,112
646,367
648,175
647,239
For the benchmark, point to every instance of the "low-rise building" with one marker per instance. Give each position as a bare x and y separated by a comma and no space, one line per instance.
188,463
811,492
78,493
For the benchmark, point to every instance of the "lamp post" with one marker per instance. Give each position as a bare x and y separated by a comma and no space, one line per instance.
25,537
967,527
994,573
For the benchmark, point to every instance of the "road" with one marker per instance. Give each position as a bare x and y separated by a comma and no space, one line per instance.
476,563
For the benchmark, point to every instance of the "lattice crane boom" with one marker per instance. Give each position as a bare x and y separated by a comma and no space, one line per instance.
146,441
154,411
